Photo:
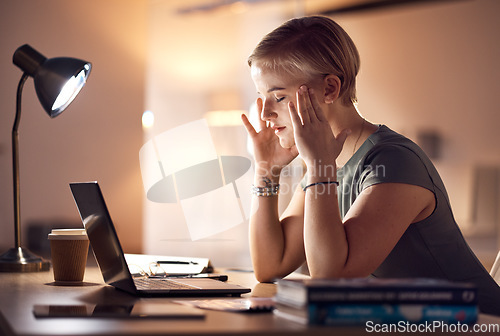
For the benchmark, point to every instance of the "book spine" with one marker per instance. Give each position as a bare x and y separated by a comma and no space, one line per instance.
360,314
450,296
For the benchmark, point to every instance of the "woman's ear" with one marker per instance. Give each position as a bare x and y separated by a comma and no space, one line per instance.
332,86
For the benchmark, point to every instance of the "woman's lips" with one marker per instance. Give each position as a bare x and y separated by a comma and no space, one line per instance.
278,129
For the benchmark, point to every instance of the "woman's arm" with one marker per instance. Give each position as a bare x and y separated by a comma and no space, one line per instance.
371,228
276,245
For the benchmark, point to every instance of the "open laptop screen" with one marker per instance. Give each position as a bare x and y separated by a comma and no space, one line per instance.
102,235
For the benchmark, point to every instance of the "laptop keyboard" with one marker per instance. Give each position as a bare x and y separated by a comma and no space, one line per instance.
148,284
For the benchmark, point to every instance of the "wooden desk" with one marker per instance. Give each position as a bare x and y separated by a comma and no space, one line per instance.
20,292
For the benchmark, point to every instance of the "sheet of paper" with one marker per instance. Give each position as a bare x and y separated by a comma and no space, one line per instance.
151,264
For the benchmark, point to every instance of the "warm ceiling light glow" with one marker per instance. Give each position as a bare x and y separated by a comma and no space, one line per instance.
239,7
148,119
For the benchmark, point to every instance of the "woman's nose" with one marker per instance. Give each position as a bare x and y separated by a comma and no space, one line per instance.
267,112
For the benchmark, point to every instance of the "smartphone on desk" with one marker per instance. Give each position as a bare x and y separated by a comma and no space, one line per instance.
137,310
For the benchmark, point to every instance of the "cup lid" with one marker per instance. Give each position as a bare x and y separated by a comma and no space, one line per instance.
68,234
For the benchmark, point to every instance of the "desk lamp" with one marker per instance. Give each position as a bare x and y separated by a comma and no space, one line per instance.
57,82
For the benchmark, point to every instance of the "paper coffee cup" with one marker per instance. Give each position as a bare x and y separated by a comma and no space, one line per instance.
69,249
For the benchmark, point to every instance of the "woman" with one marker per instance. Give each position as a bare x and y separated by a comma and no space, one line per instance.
371,202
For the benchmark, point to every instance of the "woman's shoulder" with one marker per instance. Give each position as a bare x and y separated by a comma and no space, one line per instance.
386,136
395,158
393,145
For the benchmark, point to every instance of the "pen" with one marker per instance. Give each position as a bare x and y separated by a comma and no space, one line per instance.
176,262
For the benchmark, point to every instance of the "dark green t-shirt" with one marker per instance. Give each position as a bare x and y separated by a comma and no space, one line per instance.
434,247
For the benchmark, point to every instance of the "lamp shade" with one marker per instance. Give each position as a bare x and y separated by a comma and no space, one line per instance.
57,80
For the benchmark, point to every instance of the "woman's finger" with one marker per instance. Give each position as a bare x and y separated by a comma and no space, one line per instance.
296,122
260,107
303,105
318,111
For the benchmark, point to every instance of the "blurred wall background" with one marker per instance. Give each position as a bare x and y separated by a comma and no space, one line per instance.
98,136
427,70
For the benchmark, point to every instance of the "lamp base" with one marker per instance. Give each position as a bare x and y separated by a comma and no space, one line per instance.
22,260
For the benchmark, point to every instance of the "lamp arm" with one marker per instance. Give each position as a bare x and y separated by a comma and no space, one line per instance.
15,163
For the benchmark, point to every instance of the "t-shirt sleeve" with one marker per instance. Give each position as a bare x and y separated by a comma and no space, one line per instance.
393,163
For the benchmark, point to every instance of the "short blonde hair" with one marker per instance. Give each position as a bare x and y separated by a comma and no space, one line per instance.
311,46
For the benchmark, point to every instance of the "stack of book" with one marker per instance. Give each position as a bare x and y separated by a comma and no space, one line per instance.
361,300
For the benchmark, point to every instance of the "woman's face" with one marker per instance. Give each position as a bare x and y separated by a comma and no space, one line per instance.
277,90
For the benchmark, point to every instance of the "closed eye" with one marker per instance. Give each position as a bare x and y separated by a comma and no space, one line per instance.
280,99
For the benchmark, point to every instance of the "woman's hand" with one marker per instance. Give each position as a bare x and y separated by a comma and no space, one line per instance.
270,157
314,138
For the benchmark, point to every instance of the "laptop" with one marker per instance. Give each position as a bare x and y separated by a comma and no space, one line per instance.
111,259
